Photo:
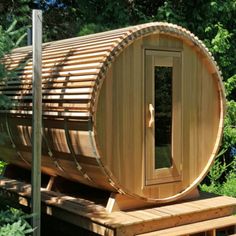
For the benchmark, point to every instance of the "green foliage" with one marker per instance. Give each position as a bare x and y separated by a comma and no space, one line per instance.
2,165
230,86
221,42
91,28
228,186
216,171
212,188
212,21
5,42
19,12
14,223
229,138
18,228
9,38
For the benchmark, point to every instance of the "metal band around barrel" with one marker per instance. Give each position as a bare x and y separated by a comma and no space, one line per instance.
110,181
69,144
50,153
13,143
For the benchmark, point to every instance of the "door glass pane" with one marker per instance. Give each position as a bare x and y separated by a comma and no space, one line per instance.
163,116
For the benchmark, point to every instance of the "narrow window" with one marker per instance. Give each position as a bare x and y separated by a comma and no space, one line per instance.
163,116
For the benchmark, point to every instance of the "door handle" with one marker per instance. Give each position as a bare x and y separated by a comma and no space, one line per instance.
151,111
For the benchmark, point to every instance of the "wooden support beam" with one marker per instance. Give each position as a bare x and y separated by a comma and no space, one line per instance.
120,202
37,121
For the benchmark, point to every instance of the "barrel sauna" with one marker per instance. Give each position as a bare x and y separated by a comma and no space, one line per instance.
138,110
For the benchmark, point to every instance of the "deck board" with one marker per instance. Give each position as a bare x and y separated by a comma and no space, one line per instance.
94,217
195,227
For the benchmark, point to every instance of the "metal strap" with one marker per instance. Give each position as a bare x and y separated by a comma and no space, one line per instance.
110,181
50,153
12,142
69,144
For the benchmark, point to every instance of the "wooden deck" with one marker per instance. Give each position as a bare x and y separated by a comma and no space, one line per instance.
206,214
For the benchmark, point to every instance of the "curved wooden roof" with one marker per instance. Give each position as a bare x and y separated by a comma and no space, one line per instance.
74,68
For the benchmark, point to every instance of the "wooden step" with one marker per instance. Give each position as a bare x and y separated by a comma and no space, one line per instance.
198,227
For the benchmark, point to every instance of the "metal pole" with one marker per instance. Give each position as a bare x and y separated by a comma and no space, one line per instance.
37,121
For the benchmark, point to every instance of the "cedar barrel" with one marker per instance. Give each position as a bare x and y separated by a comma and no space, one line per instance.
137,110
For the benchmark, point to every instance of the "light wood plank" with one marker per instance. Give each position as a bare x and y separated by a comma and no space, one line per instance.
196,227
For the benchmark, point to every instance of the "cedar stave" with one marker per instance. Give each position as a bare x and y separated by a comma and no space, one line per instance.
88,38
51,85
54,63
75,78
67,52
84,58
81,54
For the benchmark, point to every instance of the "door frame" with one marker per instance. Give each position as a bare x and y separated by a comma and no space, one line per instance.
153,58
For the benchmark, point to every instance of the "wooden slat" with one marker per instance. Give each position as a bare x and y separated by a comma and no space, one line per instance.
196,227
214,204
58,62
86,53
68,48
55,97
69,51
62,68
56,106
93,71
86,38
83,39
49,85
147,215
49,113
69,58
81,44
175,210
66,79
51,91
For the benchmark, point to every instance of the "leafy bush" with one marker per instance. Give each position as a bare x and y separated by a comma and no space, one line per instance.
216,185
229,187
14,223
2,164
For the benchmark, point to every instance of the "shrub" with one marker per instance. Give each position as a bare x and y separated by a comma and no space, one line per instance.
216,185
229,186
2,164
14,223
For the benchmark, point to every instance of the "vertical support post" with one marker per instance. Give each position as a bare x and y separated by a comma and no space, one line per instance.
37,121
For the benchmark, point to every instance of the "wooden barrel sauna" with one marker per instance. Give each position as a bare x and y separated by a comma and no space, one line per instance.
137,110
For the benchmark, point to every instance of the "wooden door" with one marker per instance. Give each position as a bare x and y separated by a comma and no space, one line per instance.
163,118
